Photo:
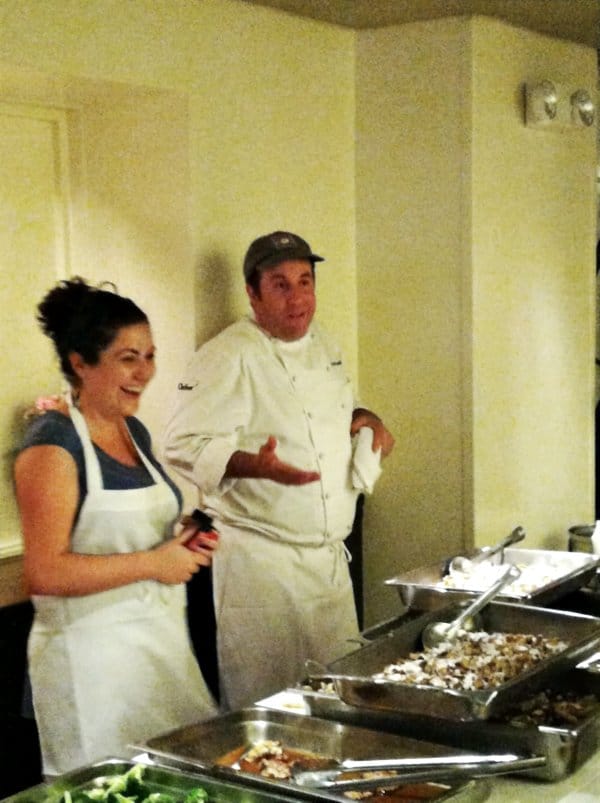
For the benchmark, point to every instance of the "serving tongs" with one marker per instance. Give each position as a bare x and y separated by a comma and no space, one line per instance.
412,770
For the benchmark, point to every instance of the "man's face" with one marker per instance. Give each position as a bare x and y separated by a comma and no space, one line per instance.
286,303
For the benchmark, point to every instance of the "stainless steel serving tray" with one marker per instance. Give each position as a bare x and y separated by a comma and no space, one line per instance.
421,588
354,672
565,748
204,744
169,780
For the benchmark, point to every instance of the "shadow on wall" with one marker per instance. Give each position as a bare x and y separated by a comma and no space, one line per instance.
217,298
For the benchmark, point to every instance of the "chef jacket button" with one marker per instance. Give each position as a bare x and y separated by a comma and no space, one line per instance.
326,496
320,455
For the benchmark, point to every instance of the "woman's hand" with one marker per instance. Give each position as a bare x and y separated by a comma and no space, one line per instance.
200,539
178,563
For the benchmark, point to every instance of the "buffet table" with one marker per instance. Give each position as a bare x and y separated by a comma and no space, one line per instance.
364,715
581,787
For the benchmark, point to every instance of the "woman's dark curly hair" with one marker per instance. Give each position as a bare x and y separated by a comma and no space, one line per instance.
80,318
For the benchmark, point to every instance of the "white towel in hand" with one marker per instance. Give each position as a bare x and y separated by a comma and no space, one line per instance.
366,464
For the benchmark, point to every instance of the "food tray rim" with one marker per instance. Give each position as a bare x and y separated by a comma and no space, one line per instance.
466,790
474,704
414,591
560,744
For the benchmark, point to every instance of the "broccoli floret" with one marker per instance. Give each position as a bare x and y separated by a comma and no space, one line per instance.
196,795
136,772
159,797
129,788
114,786
134,776
95,794
119,797
134,783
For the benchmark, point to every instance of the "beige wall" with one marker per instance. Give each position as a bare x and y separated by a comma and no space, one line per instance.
533,263
196,127
476,337
413,119
380,147
271,112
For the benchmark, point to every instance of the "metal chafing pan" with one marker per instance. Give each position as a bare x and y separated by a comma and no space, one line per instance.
355,685
565,747
169,780
204,744
422,588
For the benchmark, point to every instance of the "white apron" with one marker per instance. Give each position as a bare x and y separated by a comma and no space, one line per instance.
113,668
278,603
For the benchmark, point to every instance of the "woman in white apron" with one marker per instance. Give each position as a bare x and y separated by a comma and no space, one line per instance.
109,654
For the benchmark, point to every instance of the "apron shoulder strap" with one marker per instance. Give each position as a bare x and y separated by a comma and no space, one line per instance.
92,464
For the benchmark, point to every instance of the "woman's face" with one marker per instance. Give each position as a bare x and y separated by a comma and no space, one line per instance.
115,384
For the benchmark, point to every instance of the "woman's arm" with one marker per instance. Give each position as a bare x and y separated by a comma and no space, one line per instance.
47,495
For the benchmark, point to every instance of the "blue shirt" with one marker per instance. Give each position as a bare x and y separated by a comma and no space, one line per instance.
55,429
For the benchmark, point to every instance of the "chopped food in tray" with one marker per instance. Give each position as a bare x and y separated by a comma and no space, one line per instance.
481,575
552,708
319,686
475,660
407,793
269,758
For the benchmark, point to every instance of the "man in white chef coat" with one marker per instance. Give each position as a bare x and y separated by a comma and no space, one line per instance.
267,427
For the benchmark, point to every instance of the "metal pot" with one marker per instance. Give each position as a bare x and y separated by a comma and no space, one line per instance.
580,538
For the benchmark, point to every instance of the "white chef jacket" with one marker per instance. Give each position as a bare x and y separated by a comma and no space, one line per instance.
282,587
245,385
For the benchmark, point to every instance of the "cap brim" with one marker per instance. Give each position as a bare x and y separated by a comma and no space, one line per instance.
282,256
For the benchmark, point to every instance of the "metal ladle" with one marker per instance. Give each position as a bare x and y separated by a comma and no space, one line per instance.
463,565
436,633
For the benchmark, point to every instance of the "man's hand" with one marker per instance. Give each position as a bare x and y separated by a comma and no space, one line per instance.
382,437
267,466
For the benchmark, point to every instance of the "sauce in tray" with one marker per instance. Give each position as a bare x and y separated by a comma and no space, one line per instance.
407,793
272,760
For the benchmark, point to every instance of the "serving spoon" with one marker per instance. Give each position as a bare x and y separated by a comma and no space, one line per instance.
463,565
436,633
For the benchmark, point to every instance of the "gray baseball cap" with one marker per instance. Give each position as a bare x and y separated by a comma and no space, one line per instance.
271,249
